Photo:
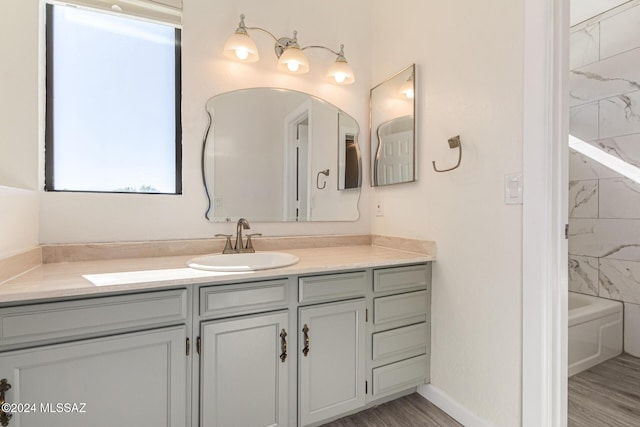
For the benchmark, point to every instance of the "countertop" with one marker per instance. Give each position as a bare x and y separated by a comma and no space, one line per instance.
67,279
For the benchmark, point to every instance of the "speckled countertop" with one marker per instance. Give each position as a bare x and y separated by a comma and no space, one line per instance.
106,276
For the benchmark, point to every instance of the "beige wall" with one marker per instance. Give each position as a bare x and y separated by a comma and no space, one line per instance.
19,103
69,217
469,59
18,220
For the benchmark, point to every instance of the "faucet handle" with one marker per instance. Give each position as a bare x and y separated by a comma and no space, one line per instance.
249,246
227,246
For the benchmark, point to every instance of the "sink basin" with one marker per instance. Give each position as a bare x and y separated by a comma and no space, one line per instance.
243,262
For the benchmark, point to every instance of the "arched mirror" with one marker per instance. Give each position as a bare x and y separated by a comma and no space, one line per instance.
280,155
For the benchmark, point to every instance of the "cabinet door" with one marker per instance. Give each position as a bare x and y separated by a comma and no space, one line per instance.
332,372
244,379
133,380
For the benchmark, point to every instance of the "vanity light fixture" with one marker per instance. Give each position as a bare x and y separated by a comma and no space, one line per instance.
407,87
291,57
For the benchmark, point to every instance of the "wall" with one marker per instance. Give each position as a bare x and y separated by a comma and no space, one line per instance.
18,224
72,217
19,163
604,206
469,59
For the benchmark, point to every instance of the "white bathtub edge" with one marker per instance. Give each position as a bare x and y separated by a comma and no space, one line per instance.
597,308
595,332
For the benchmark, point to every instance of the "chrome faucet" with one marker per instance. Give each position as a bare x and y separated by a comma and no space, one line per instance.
239,247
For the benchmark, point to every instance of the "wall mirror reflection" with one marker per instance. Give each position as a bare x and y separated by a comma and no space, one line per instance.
280,155
393,142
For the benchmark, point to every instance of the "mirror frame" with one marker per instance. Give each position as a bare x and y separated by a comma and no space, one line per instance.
372,151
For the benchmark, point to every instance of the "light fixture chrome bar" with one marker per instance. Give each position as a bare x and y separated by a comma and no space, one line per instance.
269,33
341,53
290,55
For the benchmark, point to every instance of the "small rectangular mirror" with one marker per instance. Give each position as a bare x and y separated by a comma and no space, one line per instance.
393,142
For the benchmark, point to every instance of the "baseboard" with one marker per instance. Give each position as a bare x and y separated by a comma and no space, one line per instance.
454,409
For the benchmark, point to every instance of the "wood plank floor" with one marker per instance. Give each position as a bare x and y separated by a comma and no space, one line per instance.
408,411
606,395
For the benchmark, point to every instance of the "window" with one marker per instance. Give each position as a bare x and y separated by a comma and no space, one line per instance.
113,103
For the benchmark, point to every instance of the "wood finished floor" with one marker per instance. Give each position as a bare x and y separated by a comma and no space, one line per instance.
607,395
409,411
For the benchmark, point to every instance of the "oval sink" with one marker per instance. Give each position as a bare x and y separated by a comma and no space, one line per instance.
243,262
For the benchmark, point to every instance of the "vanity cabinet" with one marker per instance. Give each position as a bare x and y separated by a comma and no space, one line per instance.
298,350
401,332
331,360
133,379
244,374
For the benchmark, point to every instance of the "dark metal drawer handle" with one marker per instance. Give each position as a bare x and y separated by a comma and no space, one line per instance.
283,336
305,331
4,416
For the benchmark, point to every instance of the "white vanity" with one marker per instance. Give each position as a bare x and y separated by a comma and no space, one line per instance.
298,346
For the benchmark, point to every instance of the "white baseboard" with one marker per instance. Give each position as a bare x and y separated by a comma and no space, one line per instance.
454,409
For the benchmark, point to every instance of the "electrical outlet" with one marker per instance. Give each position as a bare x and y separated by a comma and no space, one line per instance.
379,208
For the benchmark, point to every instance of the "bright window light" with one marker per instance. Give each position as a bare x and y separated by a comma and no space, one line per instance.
113,103
605,159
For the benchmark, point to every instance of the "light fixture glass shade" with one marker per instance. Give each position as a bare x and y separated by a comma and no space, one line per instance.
293,60
240,47
407,88
341,72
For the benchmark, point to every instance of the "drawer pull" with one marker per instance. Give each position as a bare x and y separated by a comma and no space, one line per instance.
283,336
4,416
305,331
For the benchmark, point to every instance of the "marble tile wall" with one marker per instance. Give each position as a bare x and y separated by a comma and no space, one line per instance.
604,206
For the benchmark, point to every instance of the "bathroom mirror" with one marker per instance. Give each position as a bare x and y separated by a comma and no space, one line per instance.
280,155
393,142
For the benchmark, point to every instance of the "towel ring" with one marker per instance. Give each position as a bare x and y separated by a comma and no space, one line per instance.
324,184
454,142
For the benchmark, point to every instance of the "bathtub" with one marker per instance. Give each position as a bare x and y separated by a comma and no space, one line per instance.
595,331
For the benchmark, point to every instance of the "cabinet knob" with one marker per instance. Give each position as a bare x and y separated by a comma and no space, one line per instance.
305,331
4,416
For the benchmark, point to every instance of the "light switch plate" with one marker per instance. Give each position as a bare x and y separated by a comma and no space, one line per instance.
513,189
379,208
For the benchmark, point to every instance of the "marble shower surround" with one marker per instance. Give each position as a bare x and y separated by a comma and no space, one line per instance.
604,207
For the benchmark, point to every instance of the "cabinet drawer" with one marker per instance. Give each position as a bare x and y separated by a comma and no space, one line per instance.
400,278
400,375
243,298
398,307
59,320
400,341
331,286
